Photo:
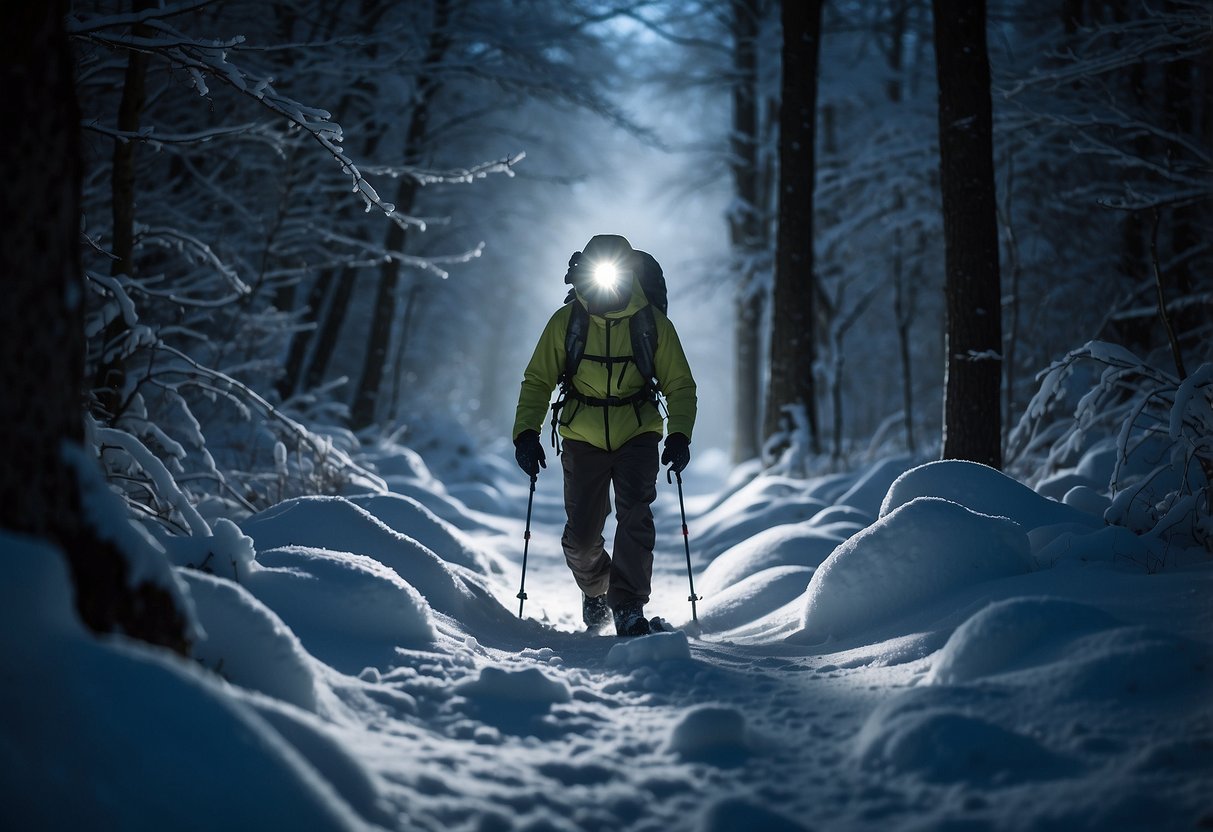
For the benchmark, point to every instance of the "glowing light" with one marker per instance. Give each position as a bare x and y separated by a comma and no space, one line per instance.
606,275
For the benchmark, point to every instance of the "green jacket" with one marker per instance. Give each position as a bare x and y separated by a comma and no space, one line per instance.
607,427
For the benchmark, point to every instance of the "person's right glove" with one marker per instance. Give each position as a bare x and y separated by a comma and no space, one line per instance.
528,451
677,453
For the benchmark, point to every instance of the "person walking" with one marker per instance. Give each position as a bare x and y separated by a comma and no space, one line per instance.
611,349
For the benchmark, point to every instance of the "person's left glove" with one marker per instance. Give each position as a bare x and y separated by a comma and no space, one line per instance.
677,453
528,451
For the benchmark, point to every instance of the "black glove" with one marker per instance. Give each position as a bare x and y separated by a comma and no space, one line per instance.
677,453
528,450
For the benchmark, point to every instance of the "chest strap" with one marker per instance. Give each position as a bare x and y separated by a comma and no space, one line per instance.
641,395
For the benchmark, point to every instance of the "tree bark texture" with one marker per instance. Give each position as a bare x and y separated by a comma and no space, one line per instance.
332,317
972,416
904,293
793,347
42,341
364,411
332,285
110,375
747,229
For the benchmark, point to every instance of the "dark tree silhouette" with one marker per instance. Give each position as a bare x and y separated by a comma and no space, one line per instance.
364,409
748,226
42,338
974,318
793,336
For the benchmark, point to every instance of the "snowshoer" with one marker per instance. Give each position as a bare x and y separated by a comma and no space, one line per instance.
611,351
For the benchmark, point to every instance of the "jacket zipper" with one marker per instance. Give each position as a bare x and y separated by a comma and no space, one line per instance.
606,411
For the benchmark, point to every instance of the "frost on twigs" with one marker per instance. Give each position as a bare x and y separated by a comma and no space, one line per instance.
1161,427
202,59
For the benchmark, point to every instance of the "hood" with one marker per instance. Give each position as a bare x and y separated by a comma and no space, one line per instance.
635,303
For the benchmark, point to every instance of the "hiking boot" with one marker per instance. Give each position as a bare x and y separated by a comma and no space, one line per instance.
595,612
630,620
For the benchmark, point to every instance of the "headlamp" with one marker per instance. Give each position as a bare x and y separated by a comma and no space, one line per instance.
605,275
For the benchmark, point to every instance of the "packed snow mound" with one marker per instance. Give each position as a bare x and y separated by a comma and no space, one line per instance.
840,515
869,490
324,748
1013,634
399,461
436,499
733,813
478,496
793,544
204,759
761,504
226,552
336,524
830,487
250,645
922,552
644,650
710,734
529,685
1094,470
1087,500
333,598
410,518
760,490
1071,541
941,745
1128,664
984,490
753,597
508,701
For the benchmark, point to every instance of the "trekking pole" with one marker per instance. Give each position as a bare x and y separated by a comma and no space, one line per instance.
526,545
686,539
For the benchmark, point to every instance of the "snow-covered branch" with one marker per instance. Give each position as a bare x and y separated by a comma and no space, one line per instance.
209,58
451,176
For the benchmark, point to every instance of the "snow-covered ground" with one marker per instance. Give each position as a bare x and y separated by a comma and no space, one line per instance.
903,647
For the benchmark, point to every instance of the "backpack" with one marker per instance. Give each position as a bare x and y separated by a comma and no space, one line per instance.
642,329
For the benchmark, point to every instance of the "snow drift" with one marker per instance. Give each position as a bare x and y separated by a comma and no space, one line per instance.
910,558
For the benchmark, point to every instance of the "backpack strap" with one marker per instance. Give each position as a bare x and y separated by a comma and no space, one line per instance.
574,341
643,331
574,350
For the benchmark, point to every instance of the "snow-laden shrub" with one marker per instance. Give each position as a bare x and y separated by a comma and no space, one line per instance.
788,451
187,434
1162,429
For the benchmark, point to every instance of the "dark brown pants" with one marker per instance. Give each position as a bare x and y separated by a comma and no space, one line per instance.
589,474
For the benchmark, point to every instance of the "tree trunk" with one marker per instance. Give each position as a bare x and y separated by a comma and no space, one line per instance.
903,313
747,374
793,332
296,351
332,316
336,285
42,342
974,317
1189,222
746,229
411,299
366,395
110,375
903,293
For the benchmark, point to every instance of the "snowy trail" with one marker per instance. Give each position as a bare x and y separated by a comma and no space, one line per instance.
757,735
608,757
936,649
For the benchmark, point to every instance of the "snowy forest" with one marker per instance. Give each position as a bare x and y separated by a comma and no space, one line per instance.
942,557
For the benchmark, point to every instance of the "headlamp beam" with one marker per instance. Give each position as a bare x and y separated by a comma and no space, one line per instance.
606,275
